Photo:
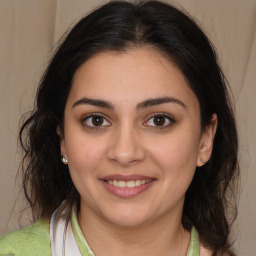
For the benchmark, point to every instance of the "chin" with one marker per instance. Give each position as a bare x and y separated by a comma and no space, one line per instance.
127,222
127,217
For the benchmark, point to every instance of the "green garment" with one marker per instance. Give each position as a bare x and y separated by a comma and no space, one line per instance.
35,240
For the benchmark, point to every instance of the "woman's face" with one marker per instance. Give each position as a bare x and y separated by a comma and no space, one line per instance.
132,137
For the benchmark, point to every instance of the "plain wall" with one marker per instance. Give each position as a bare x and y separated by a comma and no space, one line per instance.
29,31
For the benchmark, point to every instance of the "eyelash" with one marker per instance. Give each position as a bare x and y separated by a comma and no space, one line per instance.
166,117
95,115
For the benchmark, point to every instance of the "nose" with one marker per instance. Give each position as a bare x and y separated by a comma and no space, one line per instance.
126,147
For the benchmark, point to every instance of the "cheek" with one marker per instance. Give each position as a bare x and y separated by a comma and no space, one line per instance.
84,158
84,154
176,155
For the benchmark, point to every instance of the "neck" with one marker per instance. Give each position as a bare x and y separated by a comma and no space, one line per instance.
164,236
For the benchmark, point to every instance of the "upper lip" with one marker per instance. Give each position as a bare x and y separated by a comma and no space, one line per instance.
127,177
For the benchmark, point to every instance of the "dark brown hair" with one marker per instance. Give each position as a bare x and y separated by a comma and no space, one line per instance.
118,26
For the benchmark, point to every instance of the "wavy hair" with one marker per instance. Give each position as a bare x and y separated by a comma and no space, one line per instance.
118,26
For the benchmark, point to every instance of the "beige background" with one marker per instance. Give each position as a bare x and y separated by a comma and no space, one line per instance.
29,31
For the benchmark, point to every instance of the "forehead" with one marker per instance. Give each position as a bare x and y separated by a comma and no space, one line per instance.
134,74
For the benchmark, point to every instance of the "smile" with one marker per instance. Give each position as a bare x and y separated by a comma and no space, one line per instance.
127,184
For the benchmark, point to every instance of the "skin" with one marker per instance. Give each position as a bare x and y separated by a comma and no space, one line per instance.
129,140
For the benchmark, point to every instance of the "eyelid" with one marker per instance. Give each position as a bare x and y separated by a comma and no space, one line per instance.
95,114
165,115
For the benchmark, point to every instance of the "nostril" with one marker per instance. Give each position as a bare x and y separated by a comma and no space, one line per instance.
125,148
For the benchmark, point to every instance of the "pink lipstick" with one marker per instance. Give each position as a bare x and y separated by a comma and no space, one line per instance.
127,186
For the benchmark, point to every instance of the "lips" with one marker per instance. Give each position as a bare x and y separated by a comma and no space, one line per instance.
126,186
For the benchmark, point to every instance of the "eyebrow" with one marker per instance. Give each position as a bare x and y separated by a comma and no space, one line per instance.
94,102
144,104
158,101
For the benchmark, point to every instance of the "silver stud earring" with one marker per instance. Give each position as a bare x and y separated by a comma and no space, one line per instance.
203,161
64,160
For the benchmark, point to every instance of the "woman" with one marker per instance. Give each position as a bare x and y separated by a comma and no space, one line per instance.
132,146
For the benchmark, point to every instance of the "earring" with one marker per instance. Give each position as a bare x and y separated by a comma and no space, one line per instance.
64,160
203,161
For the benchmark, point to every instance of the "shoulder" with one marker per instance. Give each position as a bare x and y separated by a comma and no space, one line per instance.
24,241
205,252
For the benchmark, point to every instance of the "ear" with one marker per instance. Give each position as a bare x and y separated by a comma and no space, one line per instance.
62,141
206,141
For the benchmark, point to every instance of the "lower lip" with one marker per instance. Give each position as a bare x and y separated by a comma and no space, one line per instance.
127,192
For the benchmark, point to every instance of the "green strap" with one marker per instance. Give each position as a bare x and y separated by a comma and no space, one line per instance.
194,245
80,239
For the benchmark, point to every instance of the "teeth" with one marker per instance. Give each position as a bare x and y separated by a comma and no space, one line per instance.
121,184
127,184
138,183
130,184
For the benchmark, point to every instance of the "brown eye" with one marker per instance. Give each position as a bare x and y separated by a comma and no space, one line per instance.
160,121
95,121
